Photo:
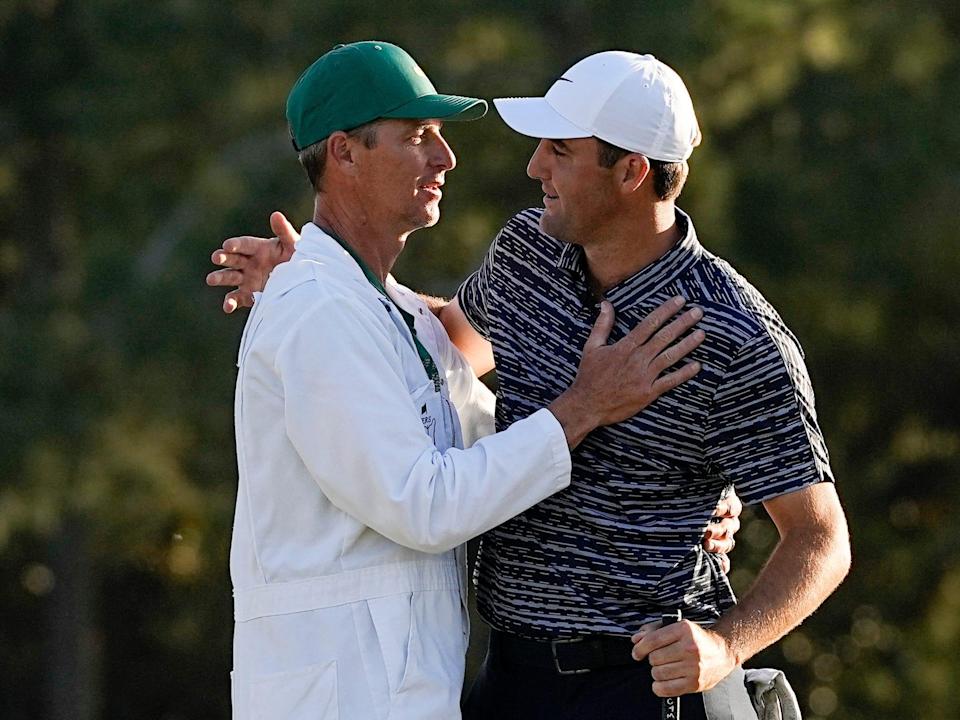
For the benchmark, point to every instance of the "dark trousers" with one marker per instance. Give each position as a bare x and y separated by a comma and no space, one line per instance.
507,691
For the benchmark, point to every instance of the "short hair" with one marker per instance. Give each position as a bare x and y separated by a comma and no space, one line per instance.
313,157
668,177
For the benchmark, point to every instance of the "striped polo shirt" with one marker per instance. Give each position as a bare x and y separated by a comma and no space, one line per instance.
621,545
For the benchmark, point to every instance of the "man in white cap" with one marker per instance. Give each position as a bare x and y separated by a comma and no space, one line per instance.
575,587
562,583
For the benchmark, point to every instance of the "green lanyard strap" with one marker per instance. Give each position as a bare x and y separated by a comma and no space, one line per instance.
428,364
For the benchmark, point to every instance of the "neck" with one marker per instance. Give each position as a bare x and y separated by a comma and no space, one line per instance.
630,243
379,247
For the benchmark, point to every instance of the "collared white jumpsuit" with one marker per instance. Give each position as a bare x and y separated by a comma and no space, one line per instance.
355,495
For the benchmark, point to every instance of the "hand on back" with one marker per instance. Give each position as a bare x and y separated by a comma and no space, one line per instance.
248,262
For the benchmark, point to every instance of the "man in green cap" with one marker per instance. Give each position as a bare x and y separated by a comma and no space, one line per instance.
360,471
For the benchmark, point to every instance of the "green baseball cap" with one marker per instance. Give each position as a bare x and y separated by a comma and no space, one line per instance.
361,82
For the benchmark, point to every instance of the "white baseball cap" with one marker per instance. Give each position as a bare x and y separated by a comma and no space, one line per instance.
632,101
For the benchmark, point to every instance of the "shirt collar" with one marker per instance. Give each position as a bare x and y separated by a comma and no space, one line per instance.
314,244
658,274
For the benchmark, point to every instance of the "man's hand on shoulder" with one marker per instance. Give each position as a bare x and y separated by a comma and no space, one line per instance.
248,262
684,657
615,382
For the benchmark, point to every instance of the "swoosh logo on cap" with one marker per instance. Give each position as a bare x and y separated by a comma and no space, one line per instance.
565,80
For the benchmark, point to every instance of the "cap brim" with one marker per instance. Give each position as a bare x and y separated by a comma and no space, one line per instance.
535,117
441,107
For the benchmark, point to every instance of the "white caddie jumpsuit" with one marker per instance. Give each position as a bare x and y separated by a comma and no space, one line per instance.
355,495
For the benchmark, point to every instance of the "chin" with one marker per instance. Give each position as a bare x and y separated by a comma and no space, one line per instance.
551,227
433,215
425,219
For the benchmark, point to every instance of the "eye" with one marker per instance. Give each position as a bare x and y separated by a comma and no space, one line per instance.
557,150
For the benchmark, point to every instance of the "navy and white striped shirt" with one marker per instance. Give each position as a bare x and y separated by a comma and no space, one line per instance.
622,543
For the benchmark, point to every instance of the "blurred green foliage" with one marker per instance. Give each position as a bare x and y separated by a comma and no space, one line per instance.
135,136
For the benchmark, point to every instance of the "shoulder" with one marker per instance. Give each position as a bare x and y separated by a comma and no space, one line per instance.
526,218
526,224
732,303
315,296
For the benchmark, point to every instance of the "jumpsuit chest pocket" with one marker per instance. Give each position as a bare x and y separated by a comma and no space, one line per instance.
437,415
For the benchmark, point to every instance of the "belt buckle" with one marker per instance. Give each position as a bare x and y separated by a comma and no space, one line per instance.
556,660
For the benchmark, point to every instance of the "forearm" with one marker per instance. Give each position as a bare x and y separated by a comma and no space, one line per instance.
805,568
475,348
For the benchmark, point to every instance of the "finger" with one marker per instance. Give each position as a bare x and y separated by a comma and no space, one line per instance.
284,231
244,245
724,545
601,328
665,655
730,526
723,530
230,260
654,641
668,671
237,298
674,330
735,503
722,510
652,322
729,506
645,629
677,377
677,352
219,278
715,531
724,563
674,688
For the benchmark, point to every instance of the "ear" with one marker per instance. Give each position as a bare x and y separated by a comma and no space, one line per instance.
632,171
341,151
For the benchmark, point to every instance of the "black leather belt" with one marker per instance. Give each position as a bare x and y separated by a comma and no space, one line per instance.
572,656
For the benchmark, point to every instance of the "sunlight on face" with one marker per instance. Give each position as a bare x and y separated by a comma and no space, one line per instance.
577,190
401,177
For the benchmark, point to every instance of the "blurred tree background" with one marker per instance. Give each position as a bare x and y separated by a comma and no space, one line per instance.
134,137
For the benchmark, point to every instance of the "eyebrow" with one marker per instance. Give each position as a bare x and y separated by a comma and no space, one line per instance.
560,144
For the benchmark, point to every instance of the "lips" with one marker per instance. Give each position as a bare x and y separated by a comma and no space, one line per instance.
432,188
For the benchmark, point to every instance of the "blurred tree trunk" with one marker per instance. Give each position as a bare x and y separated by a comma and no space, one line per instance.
71,654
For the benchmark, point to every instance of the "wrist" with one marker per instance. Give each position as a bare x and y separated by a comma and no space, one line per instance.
570,412
729,645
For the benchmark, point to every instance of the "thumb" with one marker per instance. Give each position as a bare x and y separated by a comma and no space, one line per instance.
284,231
601,328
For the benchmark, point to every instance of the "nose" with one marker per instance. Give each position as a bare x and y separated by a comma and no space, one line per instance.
443,156
535,168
